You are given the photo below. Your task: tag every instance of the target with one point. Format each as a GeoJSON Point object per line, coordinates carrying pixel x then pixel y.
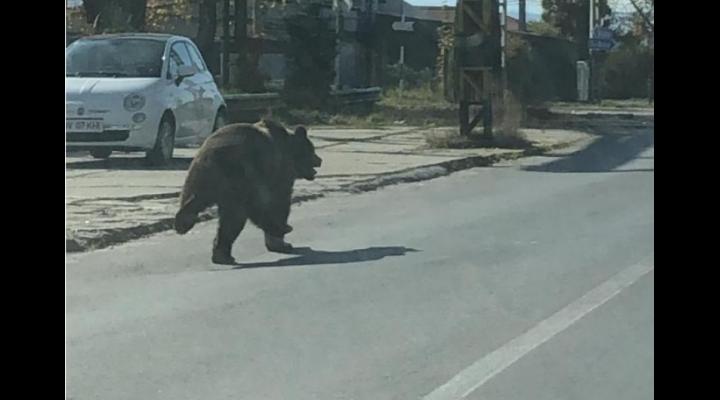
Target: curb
{"type": "Point", "coordinates": [555, 113]}
{"type": "Point", "coordinates": [432, 171]}
{"type": "Point", "coordinates": [111, 237]}
{"type": "Point", "coordinates": [117, 236]}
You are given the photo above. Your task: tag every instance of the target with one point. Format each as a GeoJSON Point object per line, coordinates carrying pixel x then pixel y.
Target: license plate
{"type": "Point", "coordinates": [84, 125]}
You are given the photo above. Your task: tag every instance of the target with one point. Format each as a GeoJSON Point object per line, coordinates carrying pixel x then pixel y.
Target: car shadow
{"type": "Point", "coordinates": [308, 256]}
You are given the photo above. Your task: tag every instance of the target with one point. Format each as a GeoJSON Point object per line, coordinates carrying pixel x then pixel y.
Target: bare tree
{"type": "Point", "coordinates": [646, 10]}
{"type": "Point", "coordinates": [115, 14]}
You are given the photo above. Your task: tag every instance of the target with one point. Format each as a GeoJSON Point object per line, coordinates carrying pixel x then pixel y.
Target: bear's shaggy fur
{"type": "Point", "coordinates": [248, 170]}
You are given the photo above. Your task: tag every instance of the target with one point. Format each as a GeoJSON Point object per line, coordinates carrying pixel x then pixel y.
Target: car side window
{"type": "Point", "coordinates": [197, 60]}
{"type": "Point", "coordinates": [178, 56]}
{"type": "Point", "coordinates": [172, 67]}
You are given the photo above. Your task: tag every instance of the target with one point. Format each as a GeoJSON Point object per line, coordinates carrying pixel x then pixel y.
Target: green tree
{"type": "Point", "coordinates": [629, 69]}
{"type": "Point", "coordinates": [311, 54]}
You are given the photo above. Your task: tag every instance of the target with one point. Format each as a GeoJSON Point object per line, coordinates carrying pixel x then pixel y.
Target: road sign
{"type": "Point", "coordinates": [403, 26]}
{"type": "Point", "coordinates": [601, 44]}
{"type": "Point", "coordinates": [603, 33]}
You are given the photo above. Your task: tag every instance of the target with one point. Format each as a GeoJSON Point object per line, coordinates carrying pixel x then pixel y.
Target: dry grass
{"type": "Point", "coordinates": [450, 138]}
{"type": "Point", "coordinates": [506, 132]}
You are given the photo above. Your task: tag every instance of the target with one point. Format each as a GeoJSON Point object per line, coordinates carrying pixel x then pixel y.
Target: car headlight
{"type": "Point", "coordinates": [134, 102]}
{"type": "Point", "coordinates": [139, 118]}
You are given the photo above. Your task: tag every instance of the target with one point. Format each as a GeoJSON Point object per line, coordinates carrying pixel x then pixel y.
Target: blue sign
{"type": "Point", "coordinates": [603, 33]}
{"type": "Point", "coordinates": [601, 44]}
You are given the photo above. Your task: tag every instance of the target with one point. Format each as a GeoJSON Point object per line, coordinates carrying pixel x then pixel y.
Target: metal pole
{"type": "Point", "coordinates": [464, 116]}
{"type": "Point", "coordinates": [402, 50]}
{"type": "Point", "coordinates": [488, 119]}
{"type": "Point", "coordinates": [592, 19]}
{"type": "Point", "coordinates": [503, 73]}
{"type": "Point", "coordinates": [523, 16]}
{"type": "Point", "coordinates": [597, 96]}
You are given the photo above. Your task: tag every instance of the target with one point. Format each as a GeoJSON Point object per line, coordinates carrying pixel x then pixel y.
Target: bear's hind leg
{"type": "Point", "coordinates": [232, 219]}
{"type": "Point", "coordinates": [187, 216]}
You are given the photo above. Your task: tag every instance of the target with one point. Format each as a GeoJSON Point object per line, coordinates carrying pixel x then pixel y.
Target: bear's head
{"type": "Point", "coordinates": [304, 156]}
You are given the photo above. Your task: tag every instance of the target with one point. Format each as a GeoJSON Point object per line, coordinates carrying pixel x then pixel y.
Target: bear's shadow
{"type": "Point", "coordinates": [308, 256]}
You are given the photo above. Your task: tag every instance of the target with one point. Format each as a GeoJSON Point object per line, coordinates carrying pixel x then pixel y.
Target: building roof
{"type": "Point", "coordinates": [444, 14]}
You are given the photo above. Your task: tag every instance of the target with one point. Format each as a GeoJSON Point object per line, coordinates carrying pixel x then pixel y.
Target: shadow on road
{"type": "Point", "coordinates": [308, 256]}
{"type": "Point", "coordinates": [131, 164]}
{"type": "Point", "coordinates": [607, 153]}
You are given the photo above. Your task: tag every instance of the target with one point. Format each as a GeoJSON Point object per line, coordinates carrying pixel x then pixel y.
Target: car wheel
{"type": "Point", "coordinates": [100, 153]}
{"type": "Point", "coordinates": [162, 153]}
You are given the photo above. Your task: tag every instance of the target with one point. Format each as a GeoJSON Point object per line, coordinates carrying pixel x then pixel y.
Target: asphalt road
{"type": "Point", "coordinates": [531, 279]}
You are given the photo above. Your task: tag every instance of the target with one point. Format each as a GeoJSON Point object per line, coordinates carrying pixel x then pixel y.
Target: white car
{"type": "Point", "coordinates": [139, 92]}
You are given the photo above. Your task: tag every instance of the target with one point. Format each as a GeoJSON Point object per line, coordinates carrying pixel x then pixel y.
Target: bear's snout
{"type": "Point", "coordinates": [317, 162]}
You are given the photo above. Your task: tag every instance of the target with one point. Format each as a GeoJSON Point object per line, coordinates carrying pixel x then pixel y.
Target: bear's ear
{"type": "Point", "coordinates": [300, 131]}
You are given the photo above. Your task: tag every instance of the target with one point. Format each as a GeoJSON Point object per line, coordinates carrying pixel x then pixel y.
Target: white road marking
{"type": "Point", "coordinates": [484, 369]}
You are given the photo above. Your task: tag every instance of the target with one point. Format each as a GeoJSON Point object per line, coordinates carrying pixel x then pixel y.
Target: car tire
{"type": "Point", "coordinates": [162, 152]}
{"type": "Point", "coordinates": [101, 153]}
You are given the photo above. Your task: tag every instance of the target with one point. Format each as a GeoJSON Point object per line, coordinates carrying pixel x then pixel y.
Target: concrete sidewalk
{"type": "Point", "coordinates": [120, 199]}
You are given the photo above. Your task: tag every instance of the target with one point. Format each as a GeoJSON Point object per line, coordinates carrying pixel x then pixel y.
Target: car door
{"type": "Point", "coordinates": [209, 96]}
{"type": "Point", "coordinates": [185, 93]}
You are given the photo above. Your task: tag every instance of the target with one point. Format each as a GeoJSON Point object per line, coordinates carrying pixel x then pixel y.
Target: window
{"type": "Point", "coordinates": [178, 56]}
{"type": "Point", "coordinates": [115, 57]}
{"type": "Point", "coordinates": [197, 60]}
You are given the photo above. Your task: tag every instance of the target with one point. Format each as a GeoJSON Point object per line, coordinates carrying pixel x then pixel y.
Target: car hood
{"type": "Point", "coordinates": [107, 86]}
{"type": "Point", "coordinates": [103, 94]}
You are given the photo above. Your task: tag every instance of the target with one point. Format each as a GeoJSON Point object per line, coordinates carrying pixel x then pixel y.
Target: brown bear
{"type": "Point", "coordinates": [248, 171]}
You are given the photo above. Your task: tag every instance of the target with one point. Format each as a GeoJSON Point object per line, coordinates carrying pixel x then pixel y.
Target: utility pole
{"type": "Point", "coordinates": [336, 5]}
{"type": "Point", "coordinates": [240, 28]}
{"type": "Point", "coordinates": [225, 56]}
{"type": "Point", "coordinates": [523, 16]}
{"type": "Point", "coordinates": [251, 17]}
{"type": "Point", "coordinates": [243, 59]}
{"type": "Point", "coordinates": [594, 19]}
{"type": "Point", "coordinates": [503, 44]}
{"type": "Point", "coordinates": [591, 55]}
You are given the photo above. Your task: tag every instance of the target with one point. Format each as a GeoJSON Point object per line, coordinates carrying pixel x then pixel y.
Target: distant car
{"type": "Point", "coordinates": [139, 92]}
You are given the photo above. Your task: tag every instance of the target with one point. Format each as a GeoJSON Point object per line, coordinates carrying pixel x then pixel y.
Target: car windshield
{"type": "Point", "coordinates": [115, 57]}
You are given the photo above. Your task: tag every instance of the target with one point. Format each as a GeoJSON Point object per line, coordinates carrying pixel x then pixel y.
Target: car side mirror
{"type": "Point", "coordinates": [185, 71]}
